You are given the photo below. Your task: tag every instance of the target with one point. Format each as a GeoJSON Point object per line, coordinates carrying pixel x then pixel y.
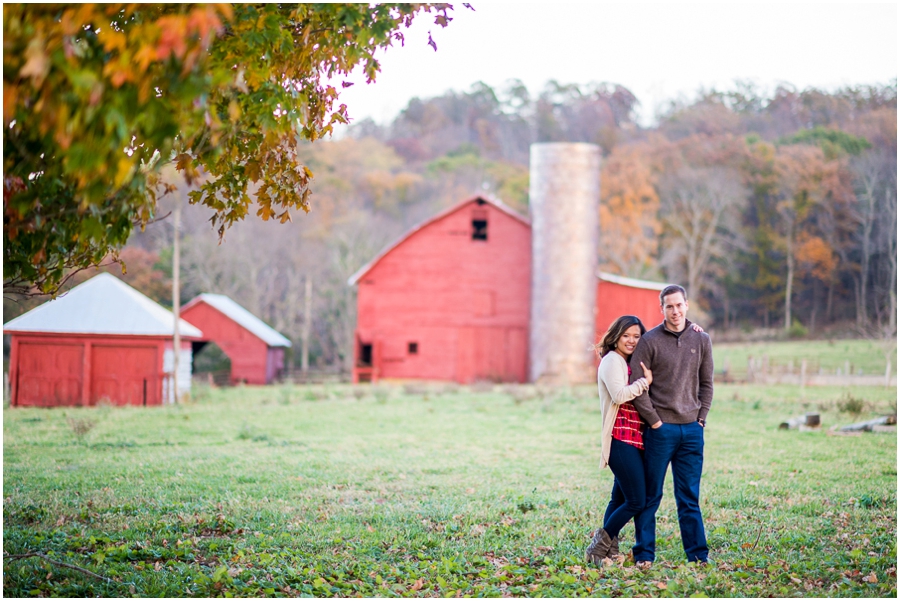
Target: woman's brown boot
{"type": "Point", "coordinates": [599, 547]}
{"type": "Point", "coordinates": [613, 548]}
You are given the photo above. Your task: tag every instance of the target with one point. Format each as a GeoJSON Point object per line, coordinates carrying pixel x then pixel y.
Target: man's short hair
{"type": "Point", "coordinates": [671, 289]}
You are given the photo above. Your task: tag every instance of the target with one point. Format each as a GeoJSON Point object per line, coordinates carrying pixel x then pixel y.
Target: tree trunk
{"type": "Point", "coordinates": [727, 309]}
{"type": "Point", "coordinates": [812, 315]}
{"type": "Point", "coordinates": [790, 281]}
{"type": "Point", "coordinates": [176, 299]}
{"type": "Point", "coordinates": [829, 305]}
{"type": "Point", "coordinates": [307, 320]}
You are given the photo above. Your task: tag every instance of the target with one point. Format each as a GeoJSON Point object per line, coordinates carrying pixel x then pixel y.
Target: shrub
{"type": "Point", "coordinates": [851, 404]}
{"type": "Point", "coordinates": [81, 426]}
{"type": "Point", "coordinates": [797, 330]}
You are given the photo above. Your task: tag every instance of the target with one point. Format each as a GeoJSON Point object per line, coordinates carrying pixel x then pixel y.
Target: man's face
{"type": "Point", "coordinates": [674, 310]}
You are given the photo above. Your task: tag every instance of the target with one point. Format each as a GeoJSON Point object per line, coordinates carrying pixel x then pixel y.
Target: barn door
{"type": "Point", "coordinates": [465, 356]}
{"type": "Point", "coordinates": [492, 354]}
{"type": "Point", "coordinates": [516, 355]}
{"type": "Point", "coordinates": [49, 375]}
{"type": "Point", "coordinates": [125, 375]}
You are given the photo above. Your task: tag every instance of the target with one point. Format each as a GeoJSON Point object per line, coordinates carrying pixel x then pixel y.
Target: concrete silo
{"type": "Point", "coordinates": [564, 196]}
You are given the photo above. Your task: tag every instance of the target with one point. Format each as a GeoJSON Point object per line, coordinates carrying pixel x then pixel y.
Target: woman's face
{"type": "Point", "coordinates": [628, 340]}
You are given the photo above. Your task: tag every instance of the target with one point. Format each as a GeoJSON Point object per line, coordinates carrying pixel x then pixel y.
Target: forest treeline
{"type": "Point", "coordinates": [774, 210]}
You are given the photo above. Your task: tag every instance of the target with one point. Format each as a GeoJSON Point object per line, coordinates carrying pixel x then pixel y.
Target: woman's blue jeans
{"type": "Point", "coordinates": [629, 494]}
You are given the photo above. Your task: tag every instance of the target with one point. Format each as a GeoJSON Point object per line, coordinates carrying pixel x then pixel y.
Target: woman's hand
{"type": "Point", "coordinates": [696, 327]}
{"type": "Point", "coordinates": [656, 425]}
{"type": "Point", "coordinates": [647, 374]}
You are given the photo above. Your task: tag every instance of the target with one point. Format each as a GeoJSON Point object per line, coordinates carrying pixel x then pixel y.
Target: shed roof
{"type": "Point", "coordinates": [242, 317]}
{"type": "Point", "coordinates": [102, 305]}
{"type": "Point", "coordinates": [630, 282]}
{"type": "Point", "coordinates": [496, 203]}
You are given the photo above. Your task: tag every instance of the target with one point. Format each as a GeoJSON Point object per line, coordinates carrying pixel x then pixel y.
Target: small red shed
{"type": "Point", "coordinates": [255, 349]}
{"type": "Point", "coordinates": [101, 340]}
{"type": "Point", "coordinates": [618, 295]}
{"type": "Point", "coordinates": [449, 300]}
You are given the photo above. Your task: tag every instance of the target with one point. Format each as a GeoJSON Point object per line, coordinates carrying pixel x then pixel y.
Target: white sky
{"type": "Point", "coordinates": [658, 51]}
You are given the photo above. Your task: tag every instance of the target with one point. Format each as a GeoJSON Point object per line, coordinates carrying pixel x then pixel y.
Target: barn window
{"type": "Point", "coordinates": [479, 229]}
{"type": "Point", "coordinates": [413, 348]}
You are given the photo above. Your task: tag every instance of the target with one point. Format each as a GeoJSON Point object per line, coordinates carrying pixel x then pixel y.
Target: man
{"type": "Point", "coordinates": [675, 407]}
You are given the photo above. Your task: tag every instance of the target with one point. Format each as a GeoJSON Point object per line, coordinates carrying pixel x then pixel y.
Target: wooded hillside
{"type": "Point", "coordinates": [774, 210]}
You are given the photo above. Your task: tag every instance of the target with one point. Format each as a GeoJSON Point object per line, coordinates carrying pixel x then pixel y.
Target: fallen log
{"type": "Point", "coordinates": [867, 426]}
{"type": "Point", "coordinates": [805, 421]}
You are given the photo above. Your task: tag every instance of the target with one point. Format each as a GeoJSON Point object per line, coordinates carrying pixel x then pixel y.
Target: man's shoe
{"type": "Point", "coordinates": [643, 565]}
{"type": "Point", "coordinates": [599, 547]}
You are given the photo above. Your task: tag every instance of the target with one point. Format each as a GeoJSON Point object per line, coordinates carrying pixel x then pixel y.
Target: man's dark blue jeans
{"type": "Point", "coordinates": [682, 446]}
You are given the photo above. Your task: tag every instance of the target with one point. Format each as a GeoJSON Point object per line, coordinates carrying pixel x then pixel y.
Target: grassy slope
{"type": "Point", "coordinates": [260, 491]}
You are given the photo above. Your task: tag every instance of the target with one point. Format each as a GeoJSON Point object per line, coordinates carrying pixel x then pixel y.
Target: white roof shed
{"type": "Point", "coordinates": [102, 305]}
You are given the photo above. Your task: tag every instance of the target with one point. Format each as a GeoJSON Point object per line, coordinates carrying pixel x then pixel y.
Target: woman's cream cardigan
{"type": "Point", "coordinates": [612, 382]}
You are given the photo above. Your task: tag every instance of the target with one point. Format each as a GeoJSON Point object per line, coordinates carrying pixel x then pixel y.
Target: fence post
{"type": "Point", "coordinates": [803, 375]}
{"type": "Point", "coordinates": [887, 374]}
{"type": "Point", "coordinates": [750, 369]}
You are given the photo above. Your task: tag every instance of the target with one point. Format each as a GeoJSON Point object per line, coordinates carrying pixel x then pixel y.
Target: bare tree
{"type": "Point", "coordinates": [876, 217]}
{"type": "Point", "coordinates": [700, 208]}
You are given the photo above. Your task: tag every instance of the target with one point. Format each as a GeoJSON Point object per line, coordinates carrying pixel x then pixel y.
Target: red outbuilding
{"type": "Point", "coordinates": [102, 340]}
{"type": "Point", "coordinates": [618, 295]}
{"type": "Point", "coordinates": [256, 350]}
{"type": "Point", "coordinates": [449, 300]}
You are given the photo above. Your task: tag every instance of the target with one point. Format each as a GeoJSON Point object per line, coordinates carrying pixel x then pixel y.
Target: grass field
{"type": "Point", "coordinates": [286, 491]}
{"type": "Point", "coordinates": [865, 355]}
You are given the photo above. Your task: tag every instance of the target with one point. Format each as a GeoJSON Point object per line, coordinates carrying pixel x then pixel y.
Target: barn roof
{"type": "Point", "coordinates": [242, 317]}
{"type": "Point", "coordinates": [102, 305]}
{"type": "Point", "coordinates": [496, 203]}
{"type": "Point", "coordinates": [630, 282]}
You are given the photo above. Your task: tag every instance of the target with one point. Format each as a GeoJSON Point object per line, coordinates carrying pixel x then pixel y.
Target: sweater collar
{"type": "Point", "coordinates": [687, 326]}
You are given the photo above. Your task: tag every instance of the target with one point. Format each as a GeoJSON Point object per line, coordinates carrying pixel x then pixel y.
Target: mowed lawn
{"type": "Point", "coordinates": [431, 491]}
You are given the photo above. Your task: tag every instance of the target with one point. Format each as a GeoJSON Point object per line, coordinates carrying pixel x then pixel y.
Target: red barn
{"type": "Point", "coordinates": [256, 350]}
{"type": "Point", "coordinates": [449, 300]}
{"type": "Point", "coordinates": [101, 340]}
{"type": "Point", "coordinates": [618, 295]}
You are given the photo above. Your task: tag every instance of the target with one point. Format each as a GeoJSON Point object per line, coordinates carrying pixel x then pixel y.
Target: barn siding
{"type": "Point", "coordinates": [460, 300]}
{"type": "Point", "coordinates": [248, 354]}
{"type": "Point", "coordinates": [615, 300]}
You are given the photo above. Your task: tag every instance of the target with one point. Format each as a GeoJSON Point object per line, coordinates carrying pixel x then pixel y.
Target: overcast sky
{"type": "Point", "coordinates": [658, 51]}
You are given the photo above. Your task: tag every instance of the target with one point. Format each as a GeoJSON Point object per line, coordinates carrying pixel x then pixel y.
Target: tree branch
{"type": "Point", "coordinates": [58, 563]}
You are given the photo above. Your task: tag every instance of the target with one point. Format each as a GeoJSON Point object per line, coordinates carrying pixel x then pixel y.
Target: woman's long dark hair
{"type": "Point", "coordinates": [615, 331]}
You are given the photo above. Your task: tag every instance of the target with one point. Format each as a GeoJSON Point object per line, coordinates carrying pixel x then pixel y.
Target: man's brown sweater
{"type": "Point", "coordinates": [682, 367]}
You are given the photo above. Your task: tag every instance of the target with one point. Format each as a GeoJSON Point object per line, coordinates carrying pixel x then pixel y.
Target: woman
{"type": "Point", "coordinates": [622, 435]}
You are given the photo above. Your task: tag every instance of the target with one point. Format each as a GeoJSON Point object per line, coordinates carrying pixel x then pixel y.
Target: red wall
{"type": "Point", "coordinates": [464, 302]}
{"type": "Point", "coordinates": [48, 370]}
{"type": "Point", "coordinates": [615, 300]}
{"type": "Point", "coordinates": [248, 353]}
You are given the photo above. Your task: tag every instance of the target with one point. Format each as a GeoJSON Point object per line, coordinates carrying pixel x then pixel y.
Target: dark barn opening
{"type": "Point", "coordinates": [365, 355]}
{"type": "Point", "coordinates": [479, 229]}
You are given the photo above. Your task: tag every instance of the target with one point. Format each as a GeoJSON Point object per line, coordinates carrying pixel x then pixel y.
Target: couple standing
{"type": "Point", "coordinates": [672, 395]}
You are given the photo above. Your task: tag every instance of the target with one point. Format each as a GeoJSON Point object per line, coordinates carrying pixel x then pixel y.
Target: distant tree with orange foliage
{"type": "Point", "coordinates": [629, 212]}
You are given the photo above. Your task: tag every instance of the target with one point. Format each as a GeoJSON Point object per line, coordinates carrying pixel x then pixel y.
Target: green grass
{"type": "Point", "coordinates": [867, 355]}
{"type": "Point", "coordinates": [312, 491]}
